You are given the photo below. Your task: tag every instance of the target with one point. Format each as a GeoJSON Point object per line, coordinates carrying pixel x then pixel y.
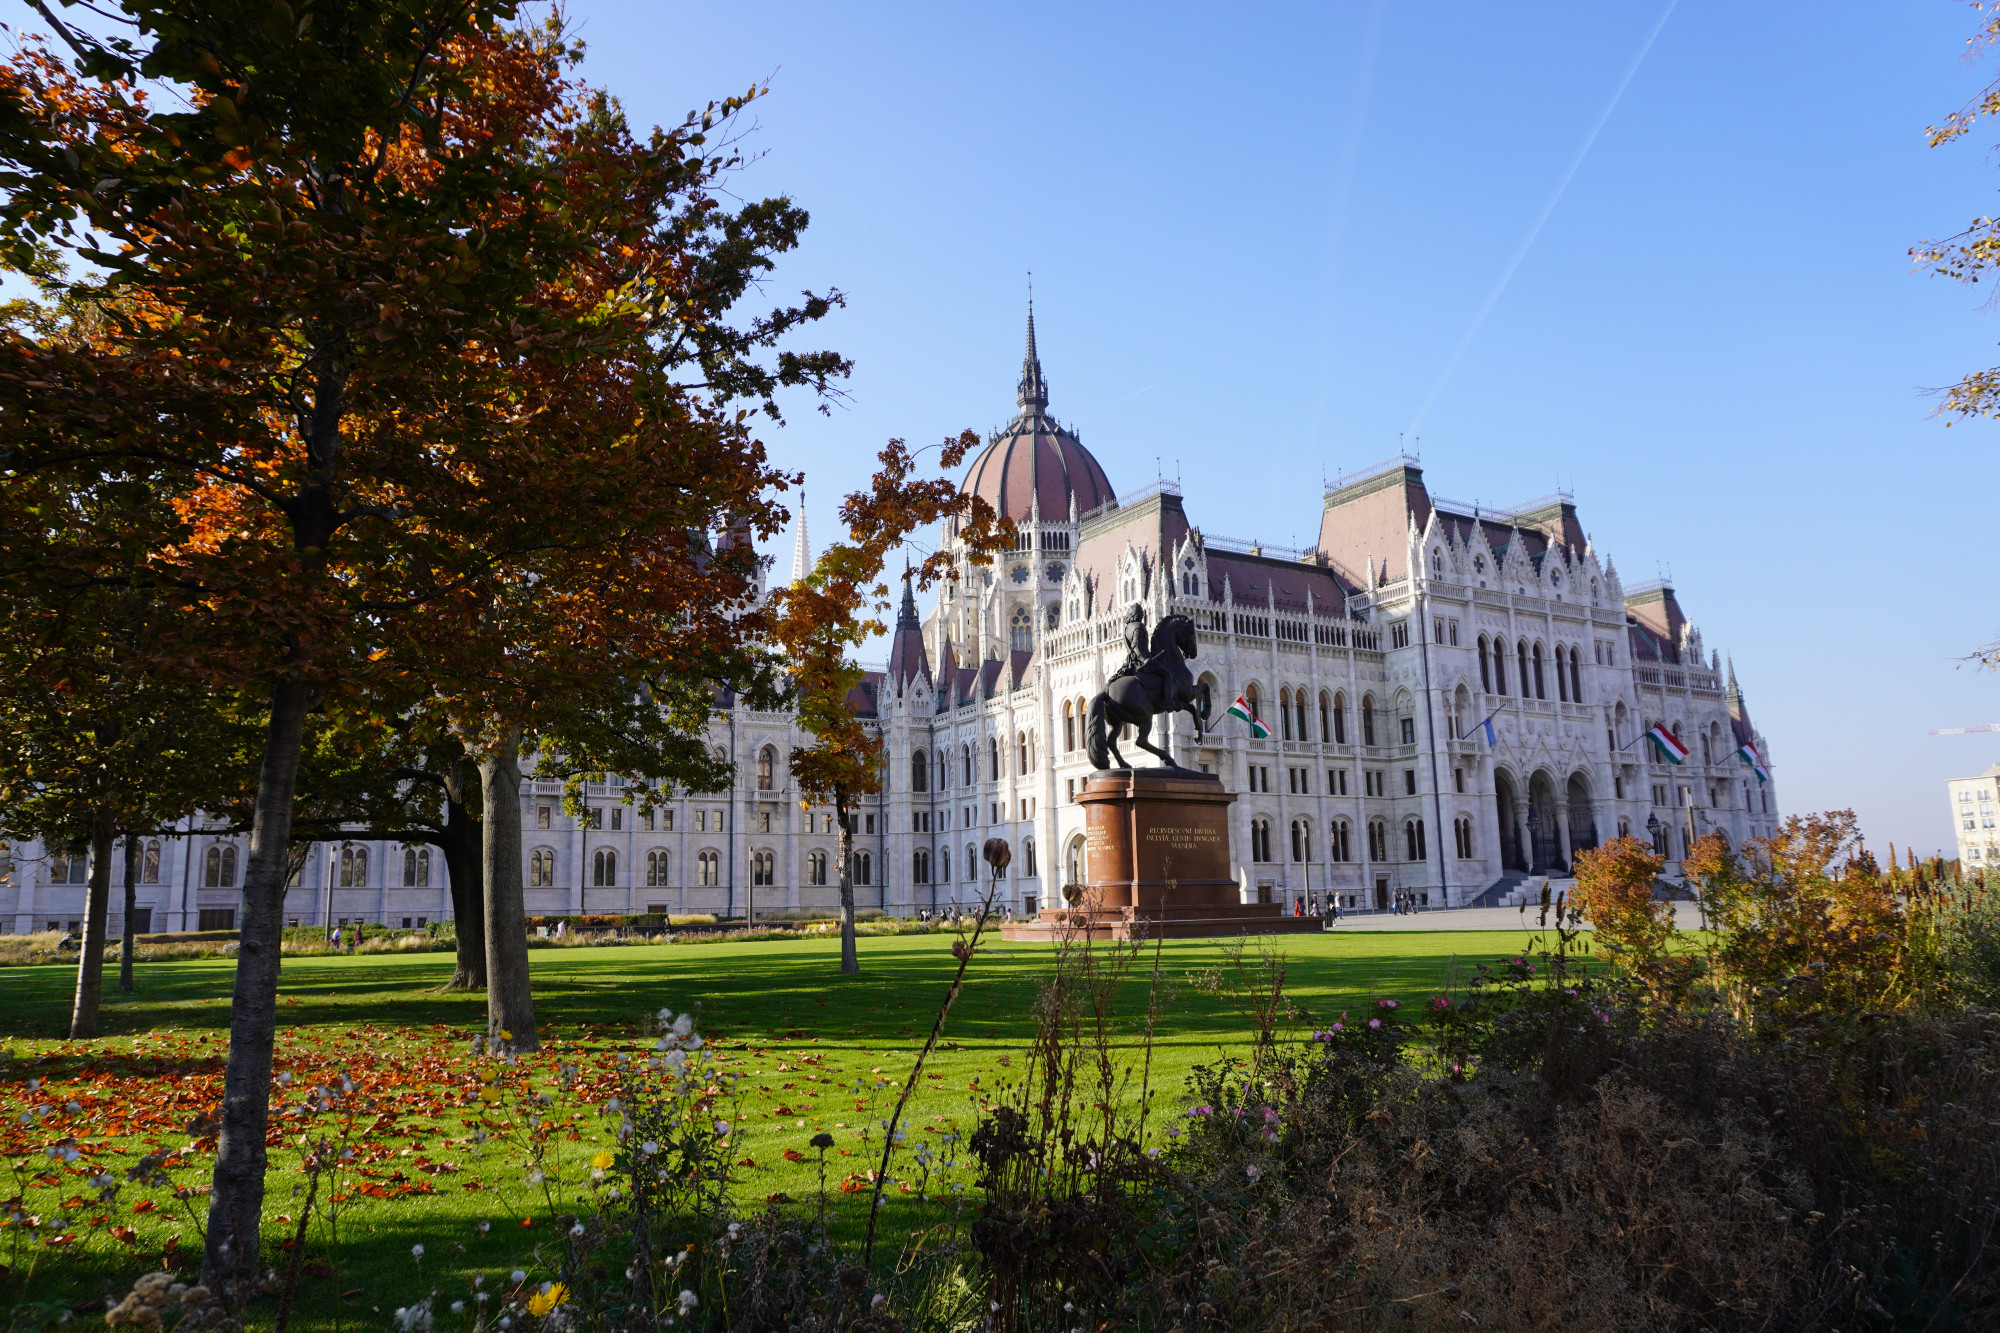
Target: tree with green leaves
{"type": "Point", "coordinates": [96, 740]}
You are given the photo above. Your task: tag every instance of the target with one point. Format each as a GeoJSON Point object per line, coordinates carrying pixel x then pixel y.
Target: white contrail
{"type": "Point", "coordinates": [1555, 196]}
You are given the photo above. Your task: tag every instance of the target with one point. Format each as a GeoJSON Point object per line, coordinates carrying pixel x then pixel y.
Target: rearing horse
{"type": "Point", "coordinates": [1161, 683]}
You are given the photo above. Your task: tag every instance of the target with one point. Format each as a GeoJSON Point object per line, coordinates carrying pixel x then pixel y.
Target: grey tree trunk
{"type": "Point", "coordinates": [510, 1003]}
{"type": "Point", "coordinates": [850, 961]}
{"type": "Point", "coordinates": [236, 1196]}
{"type": "Point", "coordinates": [130, 941]}
{"type": "Point", "coordinates": [90, 963]}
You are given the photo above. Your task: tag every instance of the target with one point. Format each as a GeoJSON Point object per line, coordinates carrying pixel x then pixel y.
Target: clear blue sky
{"type": "Point", "coordinates": [1260, 235]}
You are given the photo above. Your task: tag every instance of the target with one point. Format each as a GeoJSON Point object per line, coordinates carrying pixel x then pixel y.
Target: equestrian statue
{"type": "Point", "coordinates": [1154, 679]}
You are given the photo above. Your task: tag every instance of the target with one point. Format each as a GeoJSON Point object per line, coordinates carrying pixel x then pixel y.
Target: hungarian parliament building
{"type": "Point", "coordinates": [1457, 698]}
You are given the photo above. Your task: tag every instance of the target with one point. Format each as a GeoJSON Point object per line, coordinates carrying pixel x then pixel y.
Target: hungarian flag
{"type": "Point", "coordinates": [1241, 709]}
{"type": "Point", "coordinates": [1663, 740]}
{"type": "Point", "coordinates": [1748, 754]}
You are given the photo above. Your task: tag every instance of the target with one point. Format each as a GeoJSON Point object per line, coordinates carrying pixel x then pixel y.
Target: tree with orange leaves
{"type": "Point", "coordinates": [1615, 892]}
{"type": "Point", "coordinates": [819, 621]}
{"type": "Point", "coordinates": [1806, 924]}
{"type": "Point", "coordinates": [345, 265]}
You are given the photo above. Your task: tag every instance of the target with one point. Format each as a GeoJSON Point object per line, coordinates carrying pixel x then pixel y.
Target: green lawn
{"type": "Point", "coordinates": [804, 1037]}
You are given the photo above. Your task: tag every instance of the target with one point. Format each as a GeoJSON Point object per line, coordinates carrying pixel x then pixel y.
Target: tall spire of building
{"type": "Point", "coordinates": [907, 617]}
{"type": "Point", "coordinates": [1033, 393]}
{"type": "Point", "coordinates": [801, 547]}
{"type": "Point", "coordinates": [908, 655]}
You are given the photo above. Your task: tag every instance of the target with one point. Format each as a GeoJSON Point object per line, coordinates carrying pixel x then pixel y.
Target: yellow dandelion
{"type": "Point", "coordinates": [603, 1161]}
{"type": "Point", "coordinates": [547, 1299]}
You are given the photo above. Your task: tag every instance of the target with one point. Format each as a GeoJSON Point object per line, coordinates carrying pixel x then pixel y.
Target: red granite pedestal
{"type": "Point", "coordinates": [1157, 863]}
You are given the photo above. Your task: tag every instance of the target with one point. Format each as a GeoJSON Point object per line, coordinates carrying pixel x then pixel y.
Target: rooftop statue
{"type": "Point", "coordinates": [1153, 679]}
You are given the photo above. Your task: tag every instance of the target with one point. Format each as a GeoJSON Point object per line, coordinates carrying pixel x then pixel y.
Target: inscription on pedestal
{"type": "Point", "coordinates": [1146, 828]}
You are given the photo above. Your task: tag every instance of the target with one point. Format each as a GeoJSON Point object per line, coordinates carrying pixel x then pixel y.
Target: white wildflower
{"type": "Point", "coordinates": [683, 1025]}
{"type": "Point", "coordinates": [688, 1301]}
{"type": "Point", "coordinates": [416, 1251]}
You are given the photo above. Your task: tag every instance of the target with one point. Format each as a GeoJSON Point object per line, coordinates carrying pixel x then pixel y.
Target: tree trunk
{"type": "Point", "coordinates": [510, 1004]}
{"type": "Point", "coordinates": [131, 940]}
{"type": "Point", "coordinates": [850, 961]}
{"type": "Point", "coordinates": [236, 1197]}
{"type": "Point", "coordinates": [90, 963]}
{"type": "Point", "coordinates": [465, 866]}
{"type": "Point", "coordinates": [463, 862]}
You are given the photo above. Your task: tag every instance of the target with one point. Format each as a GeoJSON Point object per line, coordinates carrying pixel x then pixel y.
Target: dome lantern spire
{"type": "Point", "coordinates": [1033, 393]}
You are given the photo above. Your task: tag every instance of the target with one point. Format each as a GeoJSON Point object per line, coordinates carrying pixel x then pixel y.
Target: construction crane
{"type": "Point", "coordinates": [1965, 731]}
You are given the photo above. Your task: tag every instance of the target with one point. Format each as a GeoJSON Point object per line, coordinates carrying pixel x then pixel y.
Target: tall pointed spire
{"type": "Point", "coordinates": [1033, 393]}
{"type": "Point", "coordinates": [801, 547]}
{"type": "Point", "coordinates": [1734, 698]}
{"type": "Point", "coordinates": [907, 617]}
{"type": "Point", "coordinates": [908, 655]}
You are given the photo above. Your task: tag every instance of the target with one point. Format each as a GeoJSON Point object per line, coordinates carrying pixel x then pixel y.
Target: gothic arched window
{"type": "Point", "coordinates": [541, 868]}
{"type": "Point", "coordinates": [767, 768]}
{"type": "Point", "coordinates": [604, 869]}
{"type": "Point", "coordinates": [1020, 631]}
{"type": "Point", "coordinates": [1367, 719]}
{"type": "Point", "coordinates": [920, 771]}
{"type": "Point", "coordinates": [816, 867]}
{"type": "Point", "coordinates": [1284, 713]}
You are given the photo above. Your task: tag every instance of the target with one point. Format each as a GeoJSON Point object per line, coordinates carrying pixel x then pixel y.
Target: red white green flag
{"type": "Point", "coordinates": [1241, 709]}
{"type": "Point", "coordinates": [1748, 754]}
{"type": "Point", "coordinates": [1666, 743]}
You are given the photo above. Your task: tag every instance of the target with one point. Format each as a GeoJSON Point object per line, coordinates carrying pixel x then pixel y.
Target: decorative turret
{"type": "Point", "coordinates": [908, 658]}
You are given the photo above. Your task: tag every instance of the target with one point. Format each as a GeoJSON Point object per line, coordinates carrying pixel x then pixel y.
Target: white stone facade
{"type": "Point", "coordinates": [1375, 658]}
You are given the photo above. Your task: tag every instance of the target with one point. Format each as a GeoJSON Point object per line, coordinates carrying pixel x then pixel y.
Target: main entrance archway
{"type": "Point", "coordinates": [1505, 799]}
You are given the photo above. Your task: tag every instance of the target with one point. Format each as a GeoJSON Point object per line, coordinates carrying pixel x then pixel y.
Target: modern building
{"type": "Point", "coordinates": [1972, 815]}
{"type": "Point", "coordinates": [1457, 697]}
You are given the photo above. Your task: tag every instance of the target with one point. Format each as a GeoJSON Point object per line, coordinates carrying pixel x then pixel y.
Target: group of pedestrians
{"type": "Point", "coordinates": [956, 915]}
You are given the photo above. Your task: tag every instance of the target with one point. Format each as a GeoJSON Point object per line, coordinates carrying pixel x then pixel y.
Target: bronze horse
{"type": "Point", "coordinates": [1154, 680]}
